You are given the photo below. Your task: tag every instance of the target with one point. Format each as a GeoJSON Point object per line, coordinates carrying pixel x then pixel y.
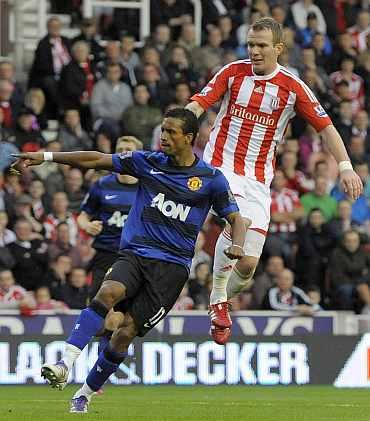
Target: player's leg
{"type": "Point", "coordinates": [107, 363]}
{"type": "Point", "coordinates": [163, 283]}
{"type": "Point", "coordinates": [91, 319]}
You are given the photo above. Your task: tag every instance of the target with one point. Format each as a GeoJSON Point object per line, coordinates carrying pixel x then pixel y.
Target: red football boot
{"type": "Point", "coordinates": [219, 314]}
{"type": "Point", "coordinates": [220, 335]}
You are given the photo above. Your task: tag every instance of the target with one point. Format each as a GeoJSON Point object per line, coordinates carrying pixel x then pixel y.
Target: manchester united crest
{"type": "Point", "coordinates": [194, 183]}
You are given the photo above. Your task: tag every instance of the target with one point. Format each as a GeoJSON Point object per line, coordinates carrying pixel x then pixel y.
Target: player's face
{"type": "Point", "coordinates": [173, 139]}
{"type": "Point", "coordinates": [263, 52]}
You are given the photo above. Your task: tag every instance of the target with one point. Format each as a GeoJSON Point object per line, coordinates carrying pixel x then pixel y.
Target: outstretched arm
{"type": "Point", "coordinates": [349, 180]}
{"type": "Point", "coordinates": [88, 159]}
{"type": "Point", "coordinates": [236, 250]}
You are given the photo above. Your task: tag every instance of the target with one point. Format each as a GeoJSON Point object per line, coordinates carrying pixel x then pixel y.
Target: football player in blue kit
{"type": "Point", "coordinates": [176, 190]}
{"type": "Point", "coordinates": [103, 214]}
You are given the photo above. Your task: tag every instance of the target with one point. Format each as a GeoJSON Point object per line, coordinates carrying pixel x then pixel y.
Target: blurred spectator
{"type": "Point", "coordinates": [315, 243]}
{"type": "Point", "coordinates": [112, 55]}
{"type": "Point", "coordinates": [160, 39]}
{"type": "Point", "coordinates": [349, 273]}
{"type": "Point", "coordinates": [150, 55]}
{"type": "Point", "coordinates": [7, 148]}
{"type": "Point", "coordinates": [357, 151]}
{"type": "Point", "coordinates": [77, 82]}
{"type": "Point", "coordinates": [295, 179]}
{"type": "Point", "coordinates": [229, 40]}
{"type": "Point", "coordinates": [140, 119]}
{"type": "Point", "coordinates": [294, 52]}
{"type": "Point", "coordinates": [265, 280]}
{"type": "Point", "coordinates": [158, 90]}
{"type": "Point", "coordinates": [187, 38]}
{"type": "Point", "coordinates": [35, 101]}
{"type": "Point", "coordinates": [284, 61]}
{"type": "Point", "coordinates": [309, 144]}
{"type": "Point", "coordinates": [51, 55]}
{"type": "Point", "coordinates": [356, 83]}
{"type": "Point", "coordinates": [362, 169]}
{"type": "Point", "coordinates": [300, 10]}
{"type": "Point", "coordinates": [360, 31]}
{"type": "Point", "coordinates": [23, 209]}
{"type": "Point", "coordinates": [343, 49]}
{"type": "Point", "coordinates": [286, 210]}
{"type": "Point", "coordinates": [75, 291]}
{"type": "Point", "coordinates": [30, 256]}
{"type": "Point", "coordinates": [363, 70]}
{"type": "Point", "coordinates": [74, 188]}
{"type": "Point", "coordinates": [184, 302]}
{"type": "Point", "coordinates": [71, 134]}
{"type": "Point", "coordinates": [199, 286]}
{"type": "Point", "coordinates": [59, 213]}
{"type": "Point", "coordinates": [28, 138]}
{"type": "Point", "coordinates": [12, 296]}
{"type": "Point", "coordinates": [200, 256]}
{"type": "Point", "coordinates": [343, 122]}
{"type": "Point", "coordinates": [38, 205]}
{"type": "Point", "coordinates": [208, 57]}
{"type": "Point", "coordinates": [9, 109]}
{"type": "Point", "coordinates": [182, 94]}
{"type": "Point", "coordinates": [361, 127]}
{"type": "Point", "coordinates": [6, 235]}
{"type": "Point", "coordinates": [343, 222]}
{"type": "Point", "coordinates": [43, 301]}
{"type": "Point", "coordinates": [7, 72]}
{"type": "Point", "coordinates": [104, 142]}
{"type": "Point", "coordinates": [307, 34]}
{"type": "Point", "coordinates": [287, 297]}
{"type": "Point", "coordinates": [179, 69]}
{"type": "Point", "coordinates": [62, 246]}
{"type": "Point", "coordinates": [360, 207]}
{"type": "Point", "coordinates": [128, 58]}
{"type": "Point", "coordinates": [88, 35]}
{"type": "Point", "coordinates": [242, 31]}
{"type": "Point", "coordinates": [314, 294]}
{"type": "Point", "coordinates": [56, 276]}
{"type": "Point", "coordinates": [279, 14]}
{"type": "Point", "coordinates": [319, 198]}
{"type": "Point", "coordinates": [173, 13]}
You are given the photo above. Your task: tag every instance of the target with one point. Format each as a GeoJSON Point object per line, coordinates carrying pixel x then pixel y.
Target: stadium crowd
{"type": "Point", "coordinates": [100, 85]}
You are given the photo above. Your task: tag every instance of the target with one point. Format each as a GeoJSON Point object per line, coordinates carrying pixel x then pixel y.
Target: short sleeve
{"type": "Point", "coordinates": [126, 163]}
{"type": "Point", "coordinates": [309, 108]}
{"type": "Point", "coordinates": [223, 200]}
{"type": "Point", "coordinates": [91, 202]}
{"type": "Point", "coordinates": [215, 88]}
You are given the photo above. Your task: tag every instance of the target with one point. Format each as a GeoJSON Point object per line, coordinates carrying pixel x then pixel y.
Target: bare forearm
{"type": "Point", "coordinates": [195, 108]}
{"type": "Point", "coordinates": [334, 143]}
{"type": "Point", "coordinates": [83, 220]}
{"type": "Point", "coordinates": [88, 159]}
{"type": "Point", "coordinates": [237, 229]}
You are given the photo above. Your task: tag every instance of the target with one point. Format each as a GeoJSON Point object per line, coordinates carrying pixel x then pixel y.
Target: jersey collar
{"type": "Point", "coordinates": [269, 76]}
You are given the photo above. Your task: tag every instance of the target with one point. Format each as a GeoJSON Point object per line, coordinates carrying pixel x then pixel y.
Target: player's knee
{"type": "Point", "coordinates": [247, 266]}
{"type": "Point", "coordinates": [110, 293]}
{"type": "Point", "coordinates": [114, 320]}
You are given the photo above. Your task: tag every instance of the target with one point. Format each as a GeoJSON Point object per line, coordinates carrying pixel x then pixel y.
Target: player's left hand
{"type": "Point", "coordinates": [351, 184]}
{"type": "Point", "coordinates": [234, 252]}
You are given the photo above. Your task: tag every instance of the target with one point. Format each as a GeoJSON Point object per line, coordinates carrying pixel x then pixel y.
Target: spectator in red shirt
{"type": "Point", "coordinates": [11, 295]}
{"type": "Point", "coordinates": [296, 180]}
{"type": "Point", "coordinates": [286, 210]}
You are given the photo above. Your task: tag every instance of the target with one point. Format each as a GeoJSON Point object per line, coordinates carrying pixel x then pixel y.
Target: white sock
{"type": "Point", "coordinates": [84, 391]}
{"type": "Point", "coordinates": [71, 353]}
{"type": "Point", "coordinates": [237, 282]}
{"type": "Point", "coordinates": [222, 268]}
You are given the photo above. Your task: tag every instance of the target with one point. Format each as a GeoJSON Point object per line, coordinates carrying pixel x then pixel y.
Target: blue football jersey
{"type": "Point", "coordinates": [110, 202]}
{"type": "Point", "coordinates": [171, 204]}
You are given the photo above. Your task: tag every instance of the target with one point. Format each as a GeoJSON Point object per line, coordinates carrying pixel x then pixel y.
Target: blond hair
{"type": "Point", "coordinates": [270, 24]}
{"type": "Point", "coordinates": [131, 139]}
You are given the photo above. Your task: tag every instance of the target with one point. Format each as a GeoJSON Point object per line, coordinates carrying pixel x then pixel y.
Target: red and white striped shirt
{"type": "Point", "coordinates": [253, 117]}
{"type": "Point", "coordinates": [286, 200]}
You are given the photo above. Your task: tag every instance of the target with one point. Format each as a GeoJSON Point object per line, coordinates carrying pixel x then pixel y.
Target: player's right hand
{"type": "Point", "coordinates": [234, 252]}
{"type": "Point", "coordinates": [26, 160]}
{"type": "Point", "coordinates": [94, 228]}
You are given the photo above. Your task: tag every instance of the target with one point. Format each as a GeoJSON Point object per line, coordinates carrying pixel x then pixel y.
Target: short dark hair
{"type": "Point", "coordinates": [190, 121]}
{"type": "Point", "coordinates": [269, 24]}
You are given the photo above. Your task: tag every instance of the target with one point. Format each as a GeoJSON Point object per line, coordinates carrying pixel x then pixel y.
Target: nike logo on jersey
{"type": "Point", "coordinates": [156, 172]}
{"type": "Point", "coordinates": [110, 196]}
{"type": "Point", "coordinates": [259, 90]}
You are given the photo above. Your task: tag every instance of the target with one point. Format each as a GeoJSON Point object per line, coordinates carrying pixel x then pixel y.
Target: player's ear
{"type": "Point", "coordinates": [189, 138]}
{"type": "Point", "coordinates": [279, 47]}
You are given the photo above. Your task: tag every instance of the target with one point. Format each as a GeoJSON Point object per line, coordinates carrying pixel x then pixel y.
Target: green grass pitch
{"type": "Point", "coordinates": [161, 403]}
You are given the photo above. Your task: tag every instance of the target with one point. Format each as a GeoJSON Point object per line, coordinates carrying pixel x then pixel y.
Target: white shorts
{"type": "Point", "coordinates": [254, 201]}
